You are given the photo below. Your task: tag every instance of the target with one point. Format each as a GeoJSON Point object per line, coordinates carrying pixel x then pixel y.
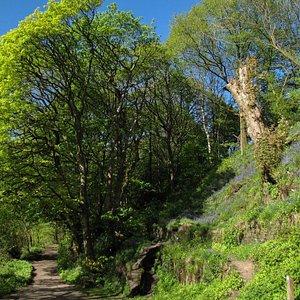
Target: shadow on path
{"type": "Point", "coordinates": [46, 282]}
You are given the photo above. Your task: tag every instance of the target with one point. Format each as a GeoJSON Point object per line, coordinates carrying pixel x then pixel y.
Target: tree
{"type": "Point", "coordinates": [217, 38]}
{"type": "Point", "coordinates": [77, 119]}
{"type": "Point", "coordinates": [277, 22]}
{"type": "Point", "coordinates": [168, 103]}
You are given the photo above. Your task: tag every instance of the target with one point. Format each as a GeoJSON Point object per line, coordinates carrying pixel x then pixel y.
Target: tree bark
{"type": "Point", "coordinates": [83, 190]}
{"type": "Point", "coordinates": [171, 163]}
{"type": "Point", "coordinates": [243, 91]}
{"type": "Point", "coordinates": [243, 133]}
{"type": "Point", "coordinates": [205, 127]}
{"type": "Point", "coordinates": [84, 200]}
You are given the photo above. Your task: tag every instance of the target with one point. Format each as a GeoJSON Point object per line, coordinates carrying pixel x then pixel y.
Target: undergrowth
{"type": "Point", "coordinates": [239, 221]}
{"type": "Point", "coordinates": [13, 274]}
{"type": "Point", "coordinates": [275, 260]}
{"type": "Point", "coordinates": [246, 224]}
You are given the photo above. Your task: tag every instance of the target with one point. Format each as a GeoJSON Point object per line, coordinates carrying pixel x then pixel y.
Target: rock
{"type": "Point", "coordinates": [141, 277]}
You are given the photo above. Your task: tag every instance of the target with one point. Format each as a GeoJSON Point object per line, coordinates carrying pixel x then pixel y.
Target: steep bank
{"type": "Point", "coordinates": [245, 242]}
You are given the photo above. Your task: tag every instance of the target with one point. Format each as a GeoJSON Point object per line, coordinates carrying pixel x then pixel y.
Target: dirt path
{"type": "Point", "coordinates": [47, 283]}
{"type": "Point", "coordinates": [245, 268]}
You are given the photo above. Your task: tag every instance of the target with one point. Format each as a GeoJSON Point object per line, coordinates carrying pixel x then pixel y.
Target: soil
{"type": "Point", "coordinates": [47, 284]}
{"type": "Point", "coordinates": [245, 268]}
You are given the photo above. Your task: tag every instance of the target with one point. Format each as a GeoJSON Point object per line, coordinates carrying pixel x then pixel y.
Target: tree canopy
{"type": "Point", "coordinates": [104, 131]}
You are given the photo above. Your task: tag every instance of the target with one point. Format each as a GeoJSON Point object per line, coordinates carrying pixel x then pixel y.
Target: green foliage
{"type": "Point", "coordinates": [217, 289]}
{"type": "Point", "coordinates": [188, 231]}
{"type": "Point", "coordinates": [276, 103]}
{"type": "Point", "coordinates": [41, 235]}
{"type": "Point", "coordinates": [69, 43]}
{"type": "Point", "coordinates": [182, 260]}
{"type": "Point", "coordinates": [220, 289]}
{"type": "Point", "coordinates": [119, 227]}
{"type": "Point", "coordinates": [13, 231]}
{"type": "Point", "coordinates": [104, 132]}
{"type": "Point", "coordinates": [232, 236]}
{"type": "Point", "coordinates": [108, 290]}
{"type": "Point", "coordinates": [269, 149]}
{"type": "Point", "coordinates": [73, 275]}
{"type": "Point", "coordinates": [87, 272]}
{"type": "Point", "coordinates": [13, 274]}
{"type": "Point", "coordinates": [240, 213]}
{"type": "Point", "coordinates": [66, 258]}
{"type": "Point", "coordinates": [276, 259]}
{"type": "Point", "coordinates": [81, 271]}
{"type": "Point", "coordinates": [241, 252]}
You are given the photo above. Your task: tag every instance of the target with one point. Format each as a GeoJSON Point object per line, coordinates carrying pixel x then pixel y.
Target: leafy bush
{"type": "Point", "coordinates": [182, 264]}
{"type": "Point", "coordinates": [233, 236]}
{"type": "Point", "coordinates": [220, 289]}
{"type": "Point", "coordinates": [66, 258]}
{"type": "Point", "coordinates": [79, 270]}
{"type": "Point", "coordinates": [14, 274]}
{"type": "Point", "coordinates": [72, 275]}
{"type": "Point", "coordinates": [13, 235]}
{"type": "Point", "coordinates": [32, 254]}
{"type": "Point", "coordinates": [187, 230]}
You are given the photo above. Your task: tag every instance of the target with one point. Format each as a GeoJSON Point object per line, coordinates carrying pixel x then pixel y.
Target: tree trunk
{"type": "Point", "coordinates": [85, 207]}
{"type": "Point", "coordinates": [171, 163]}
{"type": "Point", "coordinates": [83, 193]}
{"type": "Point", "coordinates": [205, 127]}
{"type": "Point", "coordinates": [77, 243]}
{"type": "Point", "coordinates": [243, 133]}
{"type": "Point", "coordinates": [243, 91]}
{"type": "Point", "coordinates": [150, 158]}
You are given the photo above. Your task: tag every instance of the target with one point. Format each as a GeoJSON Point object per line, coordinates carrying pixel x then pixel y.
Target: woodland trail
{"type": "Point", "coordinates": [48, 285]}
{"type": "Point", "coordinates": [246, 269]}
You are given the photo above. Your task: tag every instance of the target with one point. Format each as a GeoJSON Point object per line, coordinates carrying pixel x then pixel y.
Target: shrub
{"type": "Point", "coordinates": [72, 275]}
{"type": "Point", "coordinates": [14, 274]}
{"type": "Point", "coordinates": [233, 236]}
{"type": "Point", "coordinates": [66, 258]}
{"type": "Point", "coordinates": [219, 288]}
{"type": "Point", "coordinates": [192, 264]}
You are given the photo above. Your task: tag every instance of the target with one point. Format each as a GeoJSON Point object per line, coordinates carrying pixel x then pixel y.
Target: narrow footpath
{"type": "Point", "coordinates": [47, 284]}
{"type": "Point", "coordinates": [246, 269]}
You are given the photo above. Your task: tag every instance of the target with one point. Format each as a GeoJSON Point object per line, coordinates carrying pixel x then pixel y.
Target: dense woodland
{"type": "Point", "coordinates": [107, 136]}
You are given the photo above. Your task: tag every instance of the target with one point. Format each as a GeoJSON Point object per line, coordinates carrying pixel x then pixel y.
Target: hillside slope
{"type": "Point", "coordinates": [242, 230]}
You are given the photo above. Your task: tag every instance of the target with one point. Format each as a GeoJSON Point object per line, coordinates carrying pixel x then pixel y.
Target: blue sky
{"type": "Point", "coordinates": [162, 11]}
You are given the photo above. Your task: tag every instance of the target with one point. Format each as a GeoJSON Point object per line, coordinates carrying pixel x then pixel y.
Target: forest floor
{"type": "Point", "coordinates": [47, 284]}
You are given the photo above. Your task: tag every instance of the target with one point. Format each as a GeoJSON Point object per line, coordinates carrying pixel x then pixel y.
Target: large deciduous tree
{"type": "Point", "coordinates": [238, 42]}
{"type": "Point", "coordinates": [70, 80]}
